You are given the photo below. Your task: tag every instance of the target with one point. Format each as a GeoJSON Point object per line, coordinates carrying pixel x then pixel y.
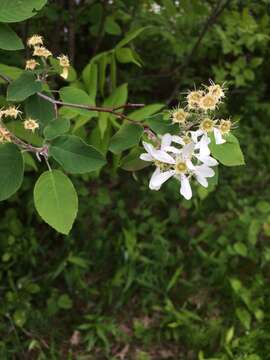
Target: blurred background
{"type": "Point", "coordinates": [147, 275]}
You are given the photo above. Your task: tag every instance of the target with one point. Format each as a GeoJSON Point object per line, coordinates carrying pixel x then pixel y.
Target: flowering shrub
{"type": "Point", "coordinates": [187, 155]}
{"type": "Point", "coordinates": [185, 143]}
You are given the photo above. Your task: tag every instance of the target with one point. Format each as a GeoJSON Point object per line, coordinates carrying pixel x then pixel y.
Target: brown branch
{"type": "Point", "coordinates": [111, 110]}
{"type": "Point", "coordinates": [216, 12]}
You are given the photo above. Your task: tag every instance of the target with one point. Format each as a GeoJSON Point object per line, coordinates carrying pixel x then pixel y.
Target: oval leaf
{"type": "Point", "coordinates": [23, 87]}
{"type": "Point", "coordinates": [11, 170]}
{"type": "Point", "coordinates": [56, 200]}
{"type": "Point", "coordinates": [75, 155]}
{"type": "Point", "coordinates": [229, 153]}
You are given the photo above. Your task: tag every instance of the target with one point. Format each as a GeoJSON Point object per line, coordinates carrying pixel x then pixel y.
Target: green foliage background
{"type": "Point", "coordinates": [146, 275]}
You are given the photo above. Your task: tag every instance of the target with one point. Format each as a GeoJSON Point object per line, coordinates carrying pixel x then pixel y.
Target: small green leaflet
{"type": "Point", "coordinates": [56, 200]}
{"type": "Point", "coordinates": [11, 170]}
{"type": "Point", "coordinates": [23, 87]}
{"type": "Point", "coordinates": [75, 155]}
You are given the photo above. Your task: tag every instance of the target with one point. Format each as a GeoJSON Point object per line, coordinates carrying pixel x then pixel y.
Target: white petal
{"type": "Point", "coordinates": [202, 145]}
{"type": "Point", "coordinates": [158, 179]}
{"type": "Point", "coordinates": [196, 134]}
{"type": "Point", "coordinates": [204, 171]}
{"type": "Point", "coordinates": [166, 141]}
{"type": "Point", "coordinates": [154, 175]}
{"type": "Point", "coordinates": [162, 156]}
{"type": "Point", "coordinates": [172, 149]}
{"type": "Point", "coordinates": [187, 151]}
{"type": "Point", "coordinates": [218, 137]}
{"type": "Point", "coordinates": [178, 140]}
{"type": "Point", "coordinates": [190, 165]}
{"type": "Point", "coordinates": [185, 188]}
{"type": "Point", "coordinates": [208, 160]}
{"type": "Point", "coordinates": [146, 157]}
{"type": "Point", "coordinates": [148, 147]}
{"type": "Point", "coordinates": [202, 180]}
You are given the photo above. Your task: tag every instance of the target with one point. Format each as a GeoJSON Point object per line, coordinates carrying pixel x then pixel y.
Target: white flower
{"type": "Point", "coordinates": [207, 126]}
{"type": "Point", "coordinates": [201, 149]}
{"type": "Point", "coordinates": [153, 154]}
{"type": "Point", "coordinates": [182, 170]}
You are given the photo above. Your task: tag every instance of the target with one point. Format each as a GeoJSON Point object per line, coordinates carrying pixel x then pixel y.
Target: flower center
{"type": "Point", "coordinates": [186, 139]}
{"type": "Point", "coordinates": [208, 102]}
{"type": "Point", "coordinates": [207, 125]}
{"type": "Point", "coordinates": [179, 116]}
{"type": "Point", "coordinates": [225, 126]}
{"type": "Point", "coordinates": [180, 167]}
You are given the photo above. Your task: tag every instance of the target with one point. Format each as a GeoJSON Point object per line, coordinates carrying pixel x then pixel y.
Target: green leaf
{"type": "Point", "coordinates": [19, 10]}
{"type": "Point", "coordinates": [64, 302]}
{"type": "Point", "coordinates": [132, 161]}
{"type": "Point", "coordinates": [125, 55]}
{"type": "Point", "coordinates": [159, 125]}
{"type": "Point", "coordinates": [29, 161]}
{"type": "Point", "coordinates": [145, 112]}
{"type": "Point", "coordinates": [9, 40]}
{"type": "Point", "coordinates": [75, 155]}
{"type": "Point", "coordinates": [19, 318]}
{"type": "Point", "coordinates": [90, 77]}
{"type": "Point", "coordinates": [11, 71]}
{"type": "Point", "coordinates": [229, 153]}
{"type": "Point", "coordinates": [23, 87]}
{"type": "Point", "coordinates": [129, 37]}
{"type": "Point", "coordinates": [17, 128]}
{"type": "Point", "coordinates": [170, 8]}
{"type": "Point", "coordinates": [103, 62]}
{"type": "Point", "coordinates": [126, 137]}
{"type": "Point", "coordinates": [56, 128]}
{"type": "Point", "coordinates": [39, 109]}
{"type": "Point", "coordinates": [111, 26]}
{"type": "Point", "coordinates": [56, 200]}
{"type": "Point", "coordinates": [74, 95]}
{"type": "Point", "coordinates": [11, 170]}
{"type": "Point", "coordinates": [240, 248]}
{"type": "Point", "coordinates": [244, 317]}
{"type": "Point", "coordinates": [117, 98]}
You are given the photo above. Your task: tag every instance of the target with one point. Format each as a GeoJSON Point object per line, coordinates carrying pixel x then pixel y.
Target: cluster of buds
{"type": "Point", "coordinates": [187, 155]}
{"type": "Point", "coordinates": [14, 112]}
{"type": "Point", "coordinates": [39, 50]}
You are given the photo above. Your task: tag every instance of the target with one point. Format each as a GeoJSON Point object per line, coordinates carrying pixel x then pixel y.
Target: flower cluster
{"type": "Point", "coordinates": [187, 156]}
{"type": "Point", "coordinates": [13, 112]}
{"type": "Point", "coordinates": [39, 50]}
